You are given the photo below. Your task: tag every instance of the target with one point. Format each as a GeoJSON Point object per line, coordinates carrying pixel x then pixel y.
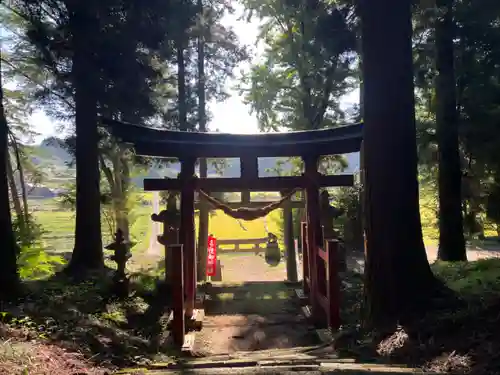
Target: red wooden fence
{"type": "Point", "coordinates": [321, 279]}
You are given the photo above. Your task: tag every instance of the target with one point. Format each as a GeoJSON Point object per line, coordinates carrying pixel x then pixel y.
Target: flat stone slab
{"type": "Point", "coordinates": [280, 366]}
{"type": "Point", "coordinates": [251, 317]}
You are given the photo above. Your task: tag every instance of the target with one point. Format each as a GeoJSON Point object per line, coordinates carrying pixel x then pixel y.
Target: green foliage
{"type": "Point", "coordinates": [476, 41]}
{"type": "Point", "coordinates": [305, 70]}
{"type": "Point", "coordinates": [479, 279]}
{"type": "Point", "coordinates": [493, 205]}
{"type": "Point", "coordinates": [278, 222]}
{"type": "Point", "coordinates": [83, 313]}
{"type": "Point", "coordinates": [347, 199]}
{"type": "Point", "coordinates": [67, 201]}
{"type": "Point", "coordinates": [34, 262]}
{"type": "Point", "coordinates": [33, 231]}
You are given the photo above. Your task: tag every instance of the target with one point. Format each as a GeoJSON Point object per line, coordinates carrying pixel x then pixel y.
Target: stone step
{"type": "Point", "coordinates": [280, 367]}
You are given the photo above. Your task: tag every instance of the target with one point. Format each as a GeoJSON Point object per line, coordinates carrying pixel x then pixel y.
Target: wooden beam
{"type": "Point", "coordinates": [178, 325]}
{"type": "Point", "coordinates": [167, 143]}
{"type": "Point", "coordinates": [288, 237]}
{"type": "Point", "coordinates": [242, 241]}
{"type": "Point", "coordinates": [333, 283]}
{"type": "Point", "coordinates": [249, 167]}
{"type": "Point", "coordinates": [249, 171]}
{"type": "Point", "coordinates": [202, 150]}
{"type": "Point", "coordinates": [237, 184]}
{"type": "Point", "coordinates": [314, 235]}
{"type": "Point", "coordinates": [306, 271]}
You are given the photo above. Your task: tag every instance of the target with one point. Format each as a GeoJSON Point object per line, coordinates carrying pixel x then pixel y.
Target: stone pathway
{"type": "Point", "coordinates": [473, 252]}
{"type": "Point", "coordinates": [356, 261]}
{"type": "Point", "coordinates": [252, 317]}
{"type": "Point", "coordinates": [251, 310]}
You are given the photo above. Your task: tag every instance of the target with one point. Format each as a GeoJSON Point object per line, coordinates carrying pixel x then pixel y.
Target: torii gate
{"type": "Point", "coordinates": [189, 146]}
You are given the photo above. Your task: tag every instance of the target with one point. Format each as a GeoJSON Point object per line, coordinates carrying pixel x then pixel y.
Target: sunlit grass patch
{"type": "Point", "coordinates": [480, 278]}
{"type": "Point", "coordinates": [59, 225]}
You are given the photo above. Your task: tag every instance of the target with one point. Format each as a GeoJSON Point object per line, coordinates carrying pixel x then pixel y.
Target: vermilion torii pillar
{"type": "Point", "coordinates": [187, 231]}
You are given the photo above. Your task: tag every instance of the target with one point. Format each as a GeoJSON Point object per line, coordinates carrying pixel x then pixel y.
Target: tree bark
{"type": "Point", "coordinates": [204, 212]}
{"type": "Point", "coordinates": [117, 177]}
{"type": "Point", "coordinates": [398, 276]}
{"type": "Point", "coordinates": [181, 86]}
{"type": "Point", "coordinates": [120, 195]}
{"type": "Point", "coordinates": [9, 277]}
{"type": "Point", "coordinates": [88, 251]}
{"type": "Point", "coordinates": [18, 209]}
{"type": "Point", "coordinates": [451, 235]}
{"type": "Point", "coordinates": [22, 182]}
{"type": "Point", "coordinates": [125, 187]}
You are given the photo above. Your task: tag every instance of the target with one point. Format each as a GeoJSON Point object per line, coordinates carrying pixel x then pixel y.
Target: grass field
{"type": "Point", "coordinates": [59, 224]}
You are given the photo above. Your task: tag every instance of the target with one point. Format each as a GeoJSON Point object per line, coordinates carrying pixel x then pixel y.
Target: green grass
{"type": "Point", "coordinates": [457, 336]}
{"type": "Point", "coordinates": [478, 279]}
{"type": "Point", "coordinates": [428, 209]}
{"type": "Point", "coordinates": [428, 214]}
{"type": "Point", "coordinates": [59, 225]}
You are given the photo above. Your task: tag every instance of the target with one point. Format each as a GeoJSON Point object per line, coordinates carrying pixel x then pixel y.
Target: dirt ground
{"type": "Point", "coordinates": [251, 309]}
{"type": "Point", "coordinates": [473, 252]}
{"type": "Point", "coordinates": [247, 267]}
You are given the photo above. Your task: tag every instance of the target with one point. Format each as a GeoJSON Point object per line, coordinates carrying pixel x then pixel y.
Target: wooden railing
{"type": "Point", "coordinates": [321, 282]}
{"type": "Point", "coordinates": [237, 243]}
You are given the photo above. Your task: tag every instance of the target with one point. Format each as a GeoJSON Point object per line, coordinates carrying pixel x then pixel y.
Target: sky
{"type": "Point", "coordinates": [230, 116]}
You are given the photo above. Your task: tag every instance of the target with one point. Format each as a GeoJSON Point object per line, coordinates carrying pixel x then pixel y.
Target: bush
{"type": "Point", "coordinates": [35, 263]}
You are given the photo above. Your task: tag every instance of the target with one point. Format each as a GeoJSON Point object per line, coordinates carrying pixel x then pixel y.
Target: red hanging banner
{"type": "Point", "coordinates": [211, 256]}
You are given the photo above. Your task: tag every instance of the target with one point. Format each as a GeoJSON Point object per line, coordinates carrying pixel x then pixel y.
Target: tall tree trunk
{"type": "Point", "coordinates": [361, 83]}
{"type": "Point", "coordinates": [360, 242]}
{"type": "Point", "coordinates": [451, 235]}
{"type": "Point", "coordinates": [88, 251]}
{"type": "Point", "coordinates": [18, 209]}
{"type": "Point", "coordinates": [22, 181]}
{"type": "Point", "coordinates": [116, 179]}
{"type": "Point", "coordinates": [120, 196]}
{"type": "Point", "coordinates": [204, 213]}
{"type": "Point", "coordinates": [9, 277]}
{"type": "Point", "coordinates": [22, 210]}
{"type": "Point", "coordinates": [125, 190]}
{"type": "Point", "coordinates": [181, 86]}
{"type": "Point", "coordinates": [398, 276]}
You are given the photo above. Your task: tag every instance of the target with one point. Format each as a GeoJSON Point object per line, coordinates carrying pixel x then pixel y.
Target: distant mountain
{"type": "Point", "coordinates": [55, 161]}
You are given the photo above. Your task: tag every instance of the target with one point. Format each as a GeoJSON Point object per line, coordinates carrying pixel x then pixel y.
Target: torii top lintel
{"type": "Point", "coordinates": [149, 141]}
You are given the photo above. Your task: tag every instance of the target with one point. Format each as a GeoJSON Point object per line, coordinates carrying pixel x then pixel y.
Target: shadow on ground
{"type": "Point", "coordinates": [85, 317]}
{"type": "Point", "coordinates": [455, 338]}
{"type": "Point", "coordinates": [253, 316]}
{"type": "Point", "coordinates": [459, 339]}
